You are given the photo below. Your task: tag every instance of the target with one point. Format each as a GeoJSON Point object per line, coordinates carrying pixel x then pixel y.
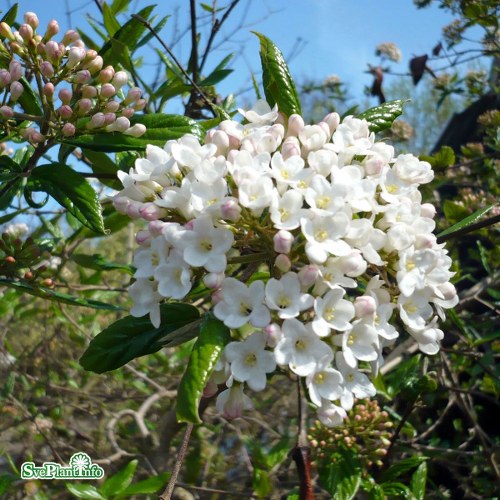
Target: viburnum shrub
{"type": "Point", "coordinates": [309, 242]}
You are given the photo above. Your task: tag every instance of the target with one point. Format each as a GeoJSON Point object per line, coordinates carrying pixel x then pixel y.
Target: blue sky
{"type": "Point", "coordinates": [340, 36]}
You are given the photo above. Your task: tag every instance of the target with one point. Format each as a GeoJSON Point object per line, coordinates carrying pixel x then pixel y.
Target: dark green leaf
{"type": "Point", "coordinates": [401, 467]}
{"type": "Point", "coordinates": [215, 77]}
{"type": "Point", "coordinates": [214, 335]}
{"type": "Point", "coordinates": [418, 481]}
{"type": "Point", "coordinates": [110, 22]}
{"type": "Point", "coordinates": [399, 490]}
{"type": "Point", "coordinates": [117, 483]}
{"type": "Point", "coordinates": [81, 490]}
{"type": "Point", "coordinates": [381, 117]}
{"type": "Point", "coordinates": [71, 190]}
{"type": "Point", "coordinates": [157, 28]}
{"type": "Point", "coordinates": [467, 221]}
{"type": "Point", "coordinates": [119, 6]}
{"type": "Point", "coordinates": [11, 190]}
{"type": "Point", "coordinates": [10, 15]}
{"type": "Point", "coordinates": [279, 87]}
{"type": "Point", "coordinates": [160, 129]}
{"type": "Point", "coordinates": [9, 217]}
{"type": "Point", "coordinates": [99, 263]}
{"type": "Point", "coordinates": [130, 337]}
{"type": "Point", "coordinates": [170, 89]}
{"type": "Point", "coordinates": [5, 481]}
{"type": "Point", "coordinates": [101, 163]}
{"type": "Point", "coordinates": [113, 223]}
{"type": "Point", "coordinates": [454, 211]}
{"type": "Point", "coordinates": [9, 169]}
{"type": "Point", "coordinates": [148, 486]}
{"type": "Point", "coordinates": [29, 100]}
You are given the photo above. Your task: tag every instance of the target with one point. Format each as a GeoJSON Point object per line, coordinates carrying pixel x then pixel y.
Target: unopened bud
{"type": "Point", "coordinates": [374, 166]}
{"type": "Point", "coordinates": [6, 32]}
{"type": "Point", "coordinates": [120, 79]}
{"type": "Point", "coordinates": [140, 105]}
{"type": "Point", "coordinates": [127, 112]}
{"type": "Point", "coordinates": [365, 306]}
{"type": "Point", "coordinates": [121, 203]}
{"type": "Point", "coordinates": [213, 280]}
{"type": "Point", "coordinates": [308, 275]}
{"type": "Point", "coordinates": [221, 140]}
{"type": "Point", "coordinates": [295, 125]}
{"type": "Point", "coordinates": [119, 125]}
{"type": "Point", "coordinates": [49, 283]}
{"type": "Point", "coordinates": [4, 78]}
{"type": "Point", "coordinates": [28, 275]}
{"type": "Point", "coordinates": [143, 237]}
{"type": "Point", "coordinates": [326, 129]}
{"type": "Point", "coordinates": [52, 51]}
{"type": "Point", "coordinates": [94, 65]}
{"type": "Point", "coordinates": [31, 19]}
{"type": "Point", "coordinates": [283, 241]}
{"type": "Point", "coordinates": [84, 106]}
{"type": "Point", "coordinates": [70, 36]}
{"type": "Point", "coordinates": [6, 112]}
{"type": "Point", "coordinates": [107, 91]}
{"type": "Point", "coordinates": [26, 32]}
{"type": "Point", "coordinates": [136, 130]}
{"type": "Point", "coordinates": [16, 89]}
{"type": "Point", "coordinates": [52, 29]}
{"type": "Point", "coordinates": [106, 74]}
{"type": "Point", "coordinates": [109, 118]}
{"type": "Point", "coordinates": [231, 210]}
{"type": "Point", "coordinates": [83, 76]}
{"type": "Point", "coordinates": [156, 227]}
{"type": "Point", "coordinates": [273, 334]}
{"type": "Point", "coordinates": [112, 107]}
{"type": "Point", "coordinates": [48, 90]}
{"type": "Point", "coordinates": [76, 54]}
{"type": "Point", "coordinates": [79, 43]}
{"type": "Point", "coordinates": [89, 92]}
{"type": "Point", "coordinates": [10, 260]}
{"type": "Point", "coordinates": [332, 120]}
{"type": "Point", "coordinates": [290, 147]}
{"type": "Point", "coordinates": [96, 121]}
{"type": "Point", "coordinates": [65, 95]}
{"type": "Point", "coordinates": [15, 70]}
{"type": "Point", "coordinates": [68, 130]}
{"type": "Point", "coordinates": [283, 263]}
{"type": "Point", "coordinates": [428, 210]}
{"type": "Point", "coordinates": [133, 95]}
{"type": "Point", "coordinates": [47, 69]}
{"type": "Point", "coordinates": [90, 55]}
{"type": "Point", "coordinates": [65, 111]}
{"type": "Point", "coordinates": [353, 265]}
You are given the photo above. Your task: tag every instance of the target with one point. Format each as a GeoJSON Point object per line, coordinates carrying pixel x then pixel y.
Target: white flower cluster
{"type": "Point", "coordinates": [311, 241]}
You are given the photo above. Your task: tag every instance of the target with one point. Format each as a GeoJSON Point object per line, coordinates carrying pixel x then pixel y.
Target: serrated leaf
{"type": "Point", "coordinates": [71, 190]}
{"type": "Point", "coordinates": [445, 157]}
{"type": "Point", "coordinates": [160, 129]}
{"type": "Point", "coordinates": [147, 486]}
{"type": "Point", "coordinates": [49, 294]}
{"type": "Point", "coordinates": [84, 491]}
{"type": "Point", "coordinates": [131, 337]}
{"type": "Point", "coordinates": [117, 483]}
{"type": "Point", "coordinates": [279, 87]}
{"type": "Point", "coordinates": [213, 337]}
{"type": "Point", "coordinates": [418, 481]}
{"type": "Point", "coordinates": [401, 467]}
{"type": "Point", "coordinates": [471, 219]}
{"type": "Point", "coordinates": [381, 117]}
{"type": "Point", "coordinates": [99, 263]}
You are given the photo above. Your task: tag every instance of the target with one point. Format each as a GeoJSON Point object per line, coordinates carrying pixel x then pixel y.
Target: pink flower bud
{"type": "Point", "coordinates": [82, 76]}
{"type": "Point", "coordinates": [31, 19]}
{"type": "Point", "coordinates": [273, 334]}
{"type": "Point", "coordinates": [365, 306]}
{"type": "Point", "coordinates": [213, 280]}
{"type": "Point", "coordinates": [6, 32]}
{"type": "Point", "coordinates": [48, 90]}
{"type": "Point", "coordinates": [76, 54]}
{"type": "Point", "coordinates": [156, 227]}
{"type": "Point", "coordinates": [96, 121]}
{"type": "Point", "coordinates": [133, 209]}
{"type": "Point", "coordinates": [109, 118]}
{"type": "Point", "coordinates": [290, 147]}
{"type": "Point", "coordinates": [90, 55]}
{"type": "Point", "coordinates": [424, 241]}
{"type": "Point", "coordinates": [89, 92]}
{"type": "Point", "coordinates": [47, 69]}
{"type": "Point", "coordinates": [231, 210]}
{"type": "Point", "coordinates": [71, 36]}
{"type": "Point", "coordinates": [112, 107]}
{"type": "Point", "coordinates": [35, 137]}
{"type": "Point", "coordinates": [143, 237]}
{"type": "Point", "coordinates": [84, 106]}
{"type": "Point", "coordinates": [65, 111]}
{"type": "Point", "coordinates": [151, 211]}
{"type": "Point", "coordinates": [107, 91]}
{"type": "Point", "coordinates": [374, 166]}
{"type": "Point", "coordinates": [16, 89]}
{"type": "Point", "coordinates": [6, 112]}
{"type": "Point", "coordinates": [79, 43]}
{"type": "Point", "coordinates": [65, 95]}
{"type": "Point", "coordinates": [53, 51]}
{"type": "Point", "coordinates": [283, 241]}
{"type": "Point", "coordinates": [26, 32]}
{"type": "Point", "coordinates": [353, 265]}
{"type": "Point", "coordinates": [217, 296]}
{"type": "Point", "coordinates": [119, 125]}
{"type": "Point", "coordinates": [221, 140]}
{"type": "Point", "coordinates": [121, 204]}
{"type": "Point", "coordinates": [332, 120]}
{"type": "Point", "coordinates": [140, 105]}
{"type": "Point", "coordinates": [136, 130]}
{"type": "Point", "coordinates": [94, 65]}
{"type": "Point", "coordinates": [15, 70]}
{"type": "Point", "coordinates": [277, 131]}
{"type": "Point", "coordinates": [283, 263]}
{"type": "Point", "coordinates": [295, 125]}
{"type": "Point", "coordinates": [326, 129]}
{"type": "Point", "coordinates": [428, 210]}
{"type": "Point", "coordinates": [106, 74]}
{"type": "Point", "coordinates": [4, 78]}
{"type": "Point", "coordinates": [120, 79]}
{"type": "Point", "coordinates": [127, 112]}
{"type": "Point", "coordinates": [68, 130]}
{"type": "Point", "coordinates": [308, 275]}
{"type": "Point", "coordinates": [133, 95]}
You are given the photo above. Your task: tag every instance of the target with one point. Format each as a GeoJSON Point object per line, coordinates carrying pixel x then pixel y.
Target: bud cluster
{"type": "Point", "coordinates": [77, 93]}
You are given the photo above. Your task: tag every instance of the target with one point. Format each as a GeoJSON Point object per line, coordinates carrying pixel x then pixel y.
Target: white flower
{"type": "Point", "coordinates": [355, 382]}
{"type": "Point", "coordinates": [331, 415]}
{"type": "Point", "coordinates": [332, 312]}
{"type": "Point", "coordinates": [301, 349]}
{"type": "Point", "coordinates": [287, 172]}
{"type": "Point", "coordinates": [286, 211]}
{"type": "Point", "coordinates": [189, 153]}
{"type": "Point", "coordinates": [428, 338]}
{"type": "Point", "coordinates": [250, 361]}
{"type": "Point", "coordinates": [240, 305]}
{"type": "Point", "coordinates": [146, 260]}
{"type": "Point", "coordinates": [409, 168]}
{"type": "Point", "coordinates": [173, 277]}
{"type": "Point", "coordinates": [313, 137]}
{"type": "Point", "coordinates": [324, 383]}
{"type": "Point", "coordinates": [256, 194]}
{"type": "Point", "coordinates": [360, 343]}
{"type": "Point", "coordinates": [146, 300]}
{"type": "Point", "coordinates": [324, 197]}
{"type": "Point", "coordinates": [285, 296]}
{"type": "Point", "coordinates": [415, 310]}
{"type": "Point", "coordinates": [352, 136]}
{"type": "Point", "coordinates": [233, 401]}
{"type": "Point", "coordinates": [261, 113]}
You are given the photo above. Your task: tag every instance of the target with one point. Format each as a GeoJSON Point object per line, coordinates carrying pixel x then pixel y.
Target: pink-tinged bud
{"type": "Point", "coordinates": [217, 297]}
{"type": "Point", "coordinates": [76, 54]}
{"type": "Point", "coordinates": [48, 90]}
{"type": "Point", "coordinates": [79, 43]}
{"type": "Point", "coordinates": [120, 79]}
{"type": "Point", "coordinates": [95, 64]}
{"type": "Point", "coordinates": [90, 55]}
{"type": "Point", "coordinates": [119, 125]}
{"type": "Point", "coordinates": [210, 389]}
{"type": "Point", "coordinates": [374, 166]}
{"type": "Point", "coordinates": [133, 95]}
{"type": "Point", "coordinates": [112, 107]}
{"type": "Point", "coordinates": [52, 51]}
{"type": "Point", "coordinates": [156, 227]}
{"type": "Point", "coordinates": [6, 112]}
{"type": "Point", "coordinates": [424, 241]}
{"type": "Point", "coordinates": [428, 210]}
{"type": "Point", "coordinates": [107, 91]}
{"type": "Point", "coordinates": [6, 32]}
{"type": "Point", "coordinates": [326, 129]}
{"type": "Point", "coordinates": [282, 119]}
{"type": "Point", "coordinates": [47, 69]}
{"type": "Point", "coordinates": [15, 70]}
{"type": "Point", "coordinates": [231, 210]}
{"type": "Point", "coordinates": [295, 125]}
{"type": "Point", "coordinates": [353, 265]}
{"type": "Point", "coordinates": [26, 32]}
{"type": "Point", "coordinates": [35, 137]}
{"type": "Point", "coordinates": [273, 334]}
{"type": "Point", "coordinates": [283, 241]}
{"type": "Point", "coordinates": [68, 130]}
{"type": "Point", "coordinates": [83, 76]}
{"type": "Point", "coordinates": [365, 306]}
{"type": "Point", "coordinates": [31, 19]}
{"type": "Point", "coordinates": [221, 140]}
{"type": "Point", "coordinates": [89, 92]}
{"type": "Point", "coordinates": [71, 36]}
{"type": "Point", "coordinates": [140, 105]}
{"type": "Point", "coordinates": [52, 29]}
{"type": "Point", "coordinates": [283, 263]}
{"type": "Point", "coordinates": [97, 121]}
{"type": "Point", "coordinates": [17, 48]}
{"type": "Point", "coordinates": [136, 130]}
{"type": "Point", "coordinates": [151, 211]}
{"type": "Point", "coordinates": [121, 204]}
{"type": "Point", "coordinates": [65, 112]}
{"type": "Point", "coordinates": [4, 78]}
{"type": "Point", "coordinates": [109, 118]}
{"type": "Point", "coordinates": [106, 74]}
{"type": "Point", "coordinates": [143, 237]}
{"type": "Point", "coordinates": [308, 275]}
{"type": "Point", "coordinates": [65, 95]}
{"type": "Point", "coordinates": [290, 147]}
{"type": "Point", "coordinates": [277, 131]}
{"type": "Point", "coordinates": [213, 280]}
{"type": "Point", "coordinates": [332, 120]}
{"type": "Point", "coordinates": [16, 90]}
{"type": "Point", "coordinates": [133, 209]}
{"type": "Point", "coordinates": [84, 106]}
{"type": "Point", "coordinates": [127, 112]}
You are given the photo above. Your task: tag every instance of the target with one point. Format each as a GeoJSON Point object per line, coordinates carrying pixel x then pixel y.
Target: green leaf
{"type": "Point", "coordinates": [9, 169]}
{"type": "Point", "coordinates": [29, 100]}
{"type": "Point", "coordinates": [117, 483]}
{"type": "Point", "coordinates": [157, 28]}
{"type": "Point", "coordinates": [148, 486]}
{"type": "Point", "coordinates": [5, 481]}
{"type": "Point", "coordinates": [381, 117]}
{"type": "Point", "coordinates": [418, 481]}
{"type": "Point", "coordinates": [119, 6]}
{"type": "Point", "coordinates": [81, 490]}
{"type": "Point", "coordinates": [110, 22]}
{"type": "Point", "coordinates": [99, 263]}
{"type": "Point", "coordinates": [445, 157]}
{"type": "Point", "coordinates": [101, 163]}
{"type": "Point", "coordinates": [261, 483]}
{"type": "Point", "coordinates": [12, 190]}
{"type": "Point", "coordinates": [215, 77]}
{"type": "Point", "coordinates": [401, 467]}
{"type": "Point", "coordinates": [131, 337]}
{"type": "Point", "coordinates": [160, 129]}
{"type": "Point", "coordinates": [10, 15]}
{"type": "Point", "coordinates": [399, 490]}
{"type": "Point", "coordinates": [49, 294]}
{"type": "Point", "coordinates": [9, 217]}
{"type": "Point", "coordinates": [279, 87]}
{"type": "Point", "coordinates": [454, 211]}
{"type": "Point", "coordinates": [467, 221]}
{"type": "Point", "coordinates": [214, 335]}
{"type": "Point", "coordinates": [71, 190]}
{"type": "Point", "coordinates": [341, 478]}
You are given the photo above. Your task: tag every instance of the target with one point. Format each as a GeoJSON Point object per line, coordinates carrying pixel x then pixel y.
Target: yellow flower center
{"type": "Point", "coordinates": [323, 201]}
{"type": "Point", "coordinates": [321, 235]}
{"type": "Point", "coordinates": [251, 359]}
{"type": "Point", "coordinates": [329, 314]}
